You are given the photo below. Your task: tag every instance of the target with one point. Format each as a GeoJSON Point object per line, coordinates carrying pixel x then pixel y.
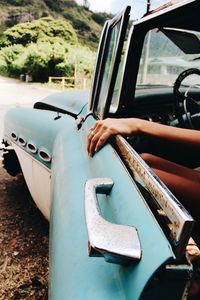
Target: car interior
{"type": "Point", "coordinates": [166, 89]}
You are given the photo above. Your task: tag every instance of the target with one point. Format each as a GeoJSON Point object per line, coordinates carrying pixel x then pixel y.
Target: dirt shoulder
{"type": "Point", "coordinates": [23, 243]}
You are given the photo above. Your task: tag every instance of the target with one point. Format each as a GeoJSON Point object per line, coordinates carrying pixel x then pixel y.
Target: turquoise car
{"type": "Point", "coordinates": [116, 231]}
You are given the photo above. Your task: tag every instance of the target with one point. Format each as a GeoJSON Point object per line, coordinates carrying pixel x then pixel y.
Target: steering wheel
{"type": "Point", "coordinates": [181, 100]}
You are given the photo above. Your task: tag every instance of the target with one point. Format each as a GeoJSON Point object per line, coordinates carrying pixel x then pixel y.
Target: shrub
{"type": "Point", "coordinates": [26, 33]}
{"type": "Point", "coordinates": [41, 59]}
{"type": "Point", "coordinates": [44, 48]}
{"type": "Point", "coordinates": [81, 25]}
{"type": "Point", "coordinates": [93, 37]}
{"type": "Point", "coordinates": [53, 4]}
{"type": "Point", "coordinates": [100, 18]}
{"type": "Point", "coordinates": [44, 59]}
{"type": "Point", "coordinates": [59, 5]}
{"type": "Point", "coordinates": [8, 55]}
{"type": "Point", "coordinates": [18, 2]}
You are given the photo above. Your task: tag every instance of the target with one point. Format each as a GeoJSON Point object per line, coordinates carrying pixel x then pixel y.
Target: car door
{"type": "Point", "coordinates": [105, 241]}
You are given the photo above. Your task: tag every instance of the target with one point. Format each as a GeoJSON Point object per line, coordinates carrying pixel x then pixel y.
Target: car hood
{"type": "Point", "coordinates": [69, 102]}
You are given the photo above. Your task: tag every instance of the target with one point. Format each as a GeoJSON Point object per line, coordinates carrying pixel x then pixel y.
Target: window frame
{"type": "Point", "coordinates": [121, 19]}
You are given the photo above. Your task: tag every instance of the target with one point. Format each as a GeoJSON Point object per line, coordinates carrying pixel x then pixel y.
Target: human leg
{"type": "Point", "coordinates": [182, 181]}
{"type": "Point", "coordinates": [186, 156]}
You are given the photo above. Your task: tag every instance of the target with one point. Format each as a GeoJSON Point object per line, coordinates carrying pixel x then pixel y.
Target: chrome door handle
{"type": "Point", "coordinates": [117, 243]}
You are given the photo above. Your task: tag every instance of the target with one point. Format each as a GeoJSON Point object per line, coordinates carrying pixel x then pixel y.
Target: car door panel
{"type": "Point", "coordinates": [157, 272]}
{"type": "Point", "coordinates": [124, 205]}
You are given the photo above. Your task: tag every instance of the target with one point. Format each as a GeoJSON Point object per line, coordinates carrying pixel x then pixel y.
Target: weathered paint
{"type": "Point", "coordinates": [38, 180]}
{"type": "Point", "coordinates": [181, 221]}
{"type": "Point", "coordinates": [117, 243]}
{"type": "Point", "coordinates": [74, 275]}
{"type": "Point", "coordinates": [38, 128]}
{"type": "Point", "coordinates": [71, 101]}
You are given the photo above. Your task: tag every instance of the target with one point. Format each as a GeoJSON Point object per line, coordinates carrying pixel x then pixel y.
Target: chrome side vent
{"type": "Point", "coordinates": [22, 141]}
{"type": "Point", "coordinates": [14, 136]}
{"type": "Point", "coordinates": [31, 147]}
{"type": "Point", "coordinates": [44, 155]}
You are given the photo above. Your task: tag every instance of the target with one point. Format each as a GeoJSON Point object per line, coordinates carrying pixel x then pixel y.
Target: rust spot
{"type": "Point", "coordinates": [137, 168]}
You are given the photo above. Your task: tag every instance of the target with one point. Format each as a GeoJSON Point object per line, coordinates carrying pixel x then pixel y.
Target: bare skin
{"type": "Point", "coordinates": [182, 181]}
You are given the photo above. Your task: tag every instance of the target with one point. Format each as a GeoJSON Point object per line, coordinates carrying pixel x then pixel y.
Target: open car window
{"type": "Point", "coordinates": [166, 53]}
{"type": "Point", "coordinates": [108, 63]}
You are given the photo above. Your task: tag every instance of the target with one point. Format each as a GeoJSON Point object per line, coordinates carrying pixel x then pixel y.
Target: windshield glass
{"type": "Point", "coordinates": [166, 54]}
{"type": "Point", "coordinates": [110, 56]}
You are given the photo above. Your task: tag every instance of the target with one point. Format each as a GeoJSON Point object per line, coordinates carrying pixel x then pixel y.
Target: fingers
{"type": "Point", "coordinates": [101, 141]}
{"type": "Point", "coordinates": [90, 141]}
{"type": "Point", "coordinates": [93, 137]}
{"type": "Point", "coordinates": [104, 129]}
{"type": "Point", "coordinates": [96, 142]}
{"type": "Point", "coordinates": [97, 137]}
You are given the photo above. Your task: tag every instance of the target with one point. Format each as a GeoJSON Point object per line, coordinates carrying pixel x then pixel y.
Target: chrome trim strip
{"type": "Point", "coordinates": [22, 141]}
{"type": "Point", "coordinates": [31, 147]}
{"type": "Point", "coordinates": [44, 155]}
{"type": "Point", "coordinates": [181, 221]}
{"type": "Point", "coordinates": [14, 136]}
{"type": "Point", "coordinates": [15, 145]}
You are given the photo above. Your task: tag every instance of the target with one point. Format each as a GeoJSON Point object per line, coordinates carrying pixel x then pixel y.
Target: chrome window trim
{"type": "Point", "coordinates": [121, 19]}
{"type": "Point", "coordinates": [181, 221]}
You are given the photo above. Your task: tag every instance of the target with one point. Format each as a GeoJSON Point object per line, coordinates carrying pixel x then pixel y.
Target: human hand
{"type": "Point", "coordinates": [104, 129]}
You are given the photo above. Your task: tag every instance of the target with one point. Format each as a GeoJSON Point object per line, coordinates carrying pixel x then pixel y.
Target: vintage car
{"type": "Point", "coordinates": [116, 231]}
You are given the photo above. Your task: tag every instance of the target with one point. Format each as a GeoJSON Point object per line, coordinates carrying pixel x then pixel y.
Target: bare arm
{"type": "Point", "coordinates": [103, 130]}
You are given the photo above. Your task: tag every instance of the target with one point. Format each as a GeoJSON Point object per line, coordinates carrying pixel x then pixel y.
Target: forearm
{"type": "Point", "coordinates": [168, 133]}
{"type": "Point", "coordinates": [104, 129]}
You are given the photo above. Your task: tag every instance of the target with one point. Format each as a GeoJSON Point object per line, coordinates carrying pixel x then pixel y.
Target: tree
{"type": "Point", "coordinates": [43, 48]}
{"type": "Point", "coordinates": [86, 4]}
{"type": "Point", "coordinates": [31, 32]}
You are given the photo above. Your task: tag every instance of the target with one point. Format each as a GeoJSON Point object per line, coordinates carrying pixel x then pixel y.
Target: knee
{"type": "Point", "coordinates": [148, 158]}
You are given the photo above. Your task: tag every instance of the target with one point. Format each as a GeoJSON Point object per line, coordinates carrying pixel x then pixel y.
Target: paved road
{"type": "Point", "coordinates": [23, 231]}
{"type": "Point", "coordinates": [15, 93]}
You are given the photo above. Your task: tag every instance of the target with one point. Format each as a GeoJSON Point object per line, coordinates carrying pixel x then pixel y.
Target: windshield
{"type": "Point", "coordinates": [110, 56]}
{"type": "Point", "coordinates": [166, 54]}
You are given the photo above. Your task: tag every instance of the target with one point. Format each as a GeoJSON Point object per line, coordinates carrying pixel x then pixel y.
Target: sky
{"type": "Point", "coordinates": [138, 7]}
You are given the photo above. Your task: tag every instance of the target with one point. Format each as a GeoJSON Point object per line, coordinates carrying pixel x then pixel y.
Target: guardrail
{"type": "Point", "coordinates": [73, 82]}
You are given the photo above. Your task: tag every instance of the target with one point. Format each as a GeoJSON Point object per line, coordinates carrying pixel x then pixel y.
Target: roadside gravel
{"type": "Point", "coordinates": [23, 243]}
{"type": "Point", "coordinates": [23, 230]}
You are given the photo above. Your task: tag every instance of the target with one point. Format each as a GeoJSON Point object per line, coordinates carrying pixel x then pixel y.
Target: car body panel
{"type": "Point", "coordinates": [56, 130]}
{"type": "Point", "coordinates": [71, 102]}
{"type": "Point", "coordinates": [107, 281]}
{"type": "Point", "coordinates": [38, 180]}
{"type": "Point", "coordinates": [25, 127]}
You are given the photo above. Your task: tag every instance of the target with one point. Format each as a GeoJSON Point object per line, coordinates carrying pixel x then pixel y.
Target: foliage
{"type": "Point", "coordinates": [88, 30]}
{"type": "Point", "coordinates": [53, 4]}
{"type": "Point", "coordinates": [100, 18]}
{"type": "Point", "coordinates": [86, 23]}
{"type": "Point", "coordinates": [47, 46]}
{"type": "Point", "coordinates": [26, 33]}
{"type": "Point", "coordinates": [18, 2]}
{"type": "Point", "coordinates": [82, 58]}
{"type": "Point", "coordinates": [53, 57]}
{"type": "Point", "coordinates": [8, 55]}
{"type": "Point", "coordinates": [59, 5]}
{"type": "Point", "coordinates": [81, 25]}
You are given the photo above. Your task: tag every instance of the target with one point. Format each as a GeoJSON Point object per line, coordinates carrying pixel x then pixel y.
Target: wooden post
{"type": "Point", "coordinates": [63, 83]}
{"type": "Point", "coordinates": [84, 83]}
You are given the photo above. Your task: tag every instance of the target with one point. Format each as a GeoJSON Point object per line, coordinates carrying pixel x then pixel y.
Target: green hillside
{"type": "Point", "coordinates": [48, 38]}
{"type": "Point", "coordinates": [86, 23]}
